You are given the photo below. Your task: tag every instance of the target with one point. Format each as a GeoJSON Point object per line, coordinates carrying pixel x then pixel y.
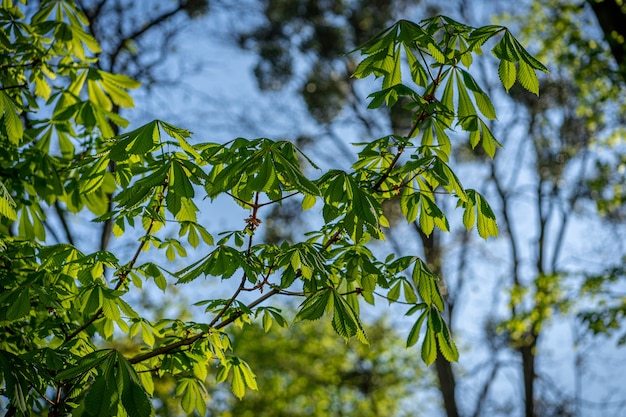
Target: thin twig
{"type": "Point", "coordinates": [9, 87]}
{"type": "Point", "coordinates": [190, 340]}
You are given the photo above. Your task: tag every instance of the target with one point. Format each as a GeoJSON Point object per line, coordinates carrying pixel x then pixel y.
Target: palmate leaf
{"type": "Point", "coordinates": [134, 397]}
{"type": "Point", "coordinates": [409, 204]}
{"type": "Point", "coordinates": [510, 51]}
{"type": "Point", "coordinates": [314, 306]}
{"type": "Point", "coordinates": [476, 205]}
{"type": "Point", "coordinates": [346, 320]}
{"type": "Point", "coordinates": [179, 180]}
{"type": "Point", "coordinates": [137, 142]}
{"type": "Point", "coordinates": [293, 174]}
{"type": "Point", "coordinates": [418, 73]}
{"type": "Point", "coordinates": [222, 262]}
{"type": "Point", "coordinates": [102, 397]}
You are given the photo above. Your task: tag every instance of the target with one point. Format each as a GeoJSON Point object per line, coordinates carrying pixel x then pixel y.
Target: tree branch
{"type": "Point", "coordinates": [190, 340]}
{"type": "Point", "coordinates": [145, 28]}
{"type": "Point", "coordinates": [9, 87]}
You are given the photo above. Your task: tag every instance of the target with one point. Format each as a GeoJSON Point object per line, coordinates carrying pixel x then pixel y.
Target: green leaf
{"type": "Point", "coordinates": [505, 49]}
{"type": "Point", "coordinates": [486, 219]}
{"type": "Point", "coordinates": [418, 73]}
{"type": "Point", "coordinates": [97, 96]}
{"type": "Point", "coordinates": [179, 181]}
{"type": "Point", "coordinates": [409, 293]}
{"type": "Point", "coordinates": [507, 74]}
{"type": "Point", "coordinates": [489, 142]}
{"type": "Point", "coordinates": [7, 204]}
{"type": "Point", "coordinates": [409, 204]}
{"type": "Point", "coordinates": [307, 202]}
{"type": "Point", "coordinates": [238, 385]}
{"type": "Point", "coordinates": [465, 105]}
{"type": "Point", "coordinates": [10, 119]}
{"type": "Point", "coordinates": [294, 176]}
{"type": "Point", "coordinates": [527, 77]}
{"type": "Point", "coordinates": [346, 321]}
{"type": "Point", "coordinates": [314, 306]}
{"type": "Point", "coordinates": [392, 66]}
{"type": "Point", "coordinates": [85, 365]}
{"type": "Point", "coordinates": [415, 330]}
{"type": "Point", "coordinates": [429, 347]}
{"type": "Point", "coordinates": [394, 293]}
{"type": "Point", "coordinates": [102, 397]}
{"type": "Point", "coordinates": [20, 306]}
{"type": "Point", "coordinates": [137, 142]}
{"type": "Point", "coordinates": [267, 321]}
{"type": "Point", "coordinates": [134, 397]}
{"type": "Point", "coordinates": [447, 347]}
{"type": "Point", "coordinates": [436, 53]}
{"type": "Point", "coordinates": [16, 383]}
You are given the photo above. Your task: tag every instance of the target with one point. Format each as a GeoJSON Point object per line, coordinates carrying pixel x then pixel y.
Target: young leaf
{"type": "Point", "coordinates": [429, 347]}
{"type": "Point", "coordinates": [507, 73]}
{"type": "Point", "coordinates": [314, 306]}
{"type": "Point", "coordinates": [415, 330]}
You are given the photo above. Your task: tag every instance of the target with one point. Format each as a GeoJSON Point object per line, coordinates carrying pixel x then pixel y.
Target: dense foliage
{"type": "Point", "coordinates": [59, 151]}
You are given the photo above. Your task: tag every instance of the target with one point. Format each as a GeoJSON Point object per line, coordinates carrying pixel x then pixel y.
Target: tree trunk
{"type": "Point", "coordinates": [447, 385]}
{"type": "Point", "coordinates": [528, 368]}
{"type": "Point", "coordinates": [612, 19]}
{"type": "Point", "coordinates": [445, 375]}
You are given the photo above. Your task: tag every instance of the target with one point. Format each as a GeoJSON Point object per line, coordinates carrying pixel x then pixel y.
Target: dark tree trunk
{"type": "Point", "coordinates": [528, 368]}
{"type": "Point", "coordinates": [445, 376]}
{"type": "Point", "coordinates": [447, 385]}
{"type": "Point", "coordinates": [612, 19]}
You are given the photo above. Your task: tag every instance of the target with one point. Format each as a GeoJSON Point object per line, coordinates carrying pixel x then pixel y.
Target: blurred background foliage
{"type": "Point", "coordinates": [559, 186]}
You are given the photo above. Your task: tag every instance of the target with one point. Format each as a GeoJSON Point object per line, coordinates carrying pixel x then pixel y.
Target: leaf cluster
{"type": "Point", "coordinates": [59, 302]}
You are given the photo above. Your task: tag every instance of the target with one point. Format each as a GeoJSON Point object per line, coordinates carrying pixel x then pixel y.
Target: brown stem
{"type": "Point", "coordinates": [188, 341]}
{"type": "Point", "coordinates": [9, 87]}
{"type": "Point", "coordinates": [257, 205]}
{"type": "Point", "coordinates": [66, 227]}
{"type": "Point", "coordinates": [144, 28]}
{"type": "Point", "coordinates": [429, 95]}
{"type": "Point", "coordinates": [384, 177]}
